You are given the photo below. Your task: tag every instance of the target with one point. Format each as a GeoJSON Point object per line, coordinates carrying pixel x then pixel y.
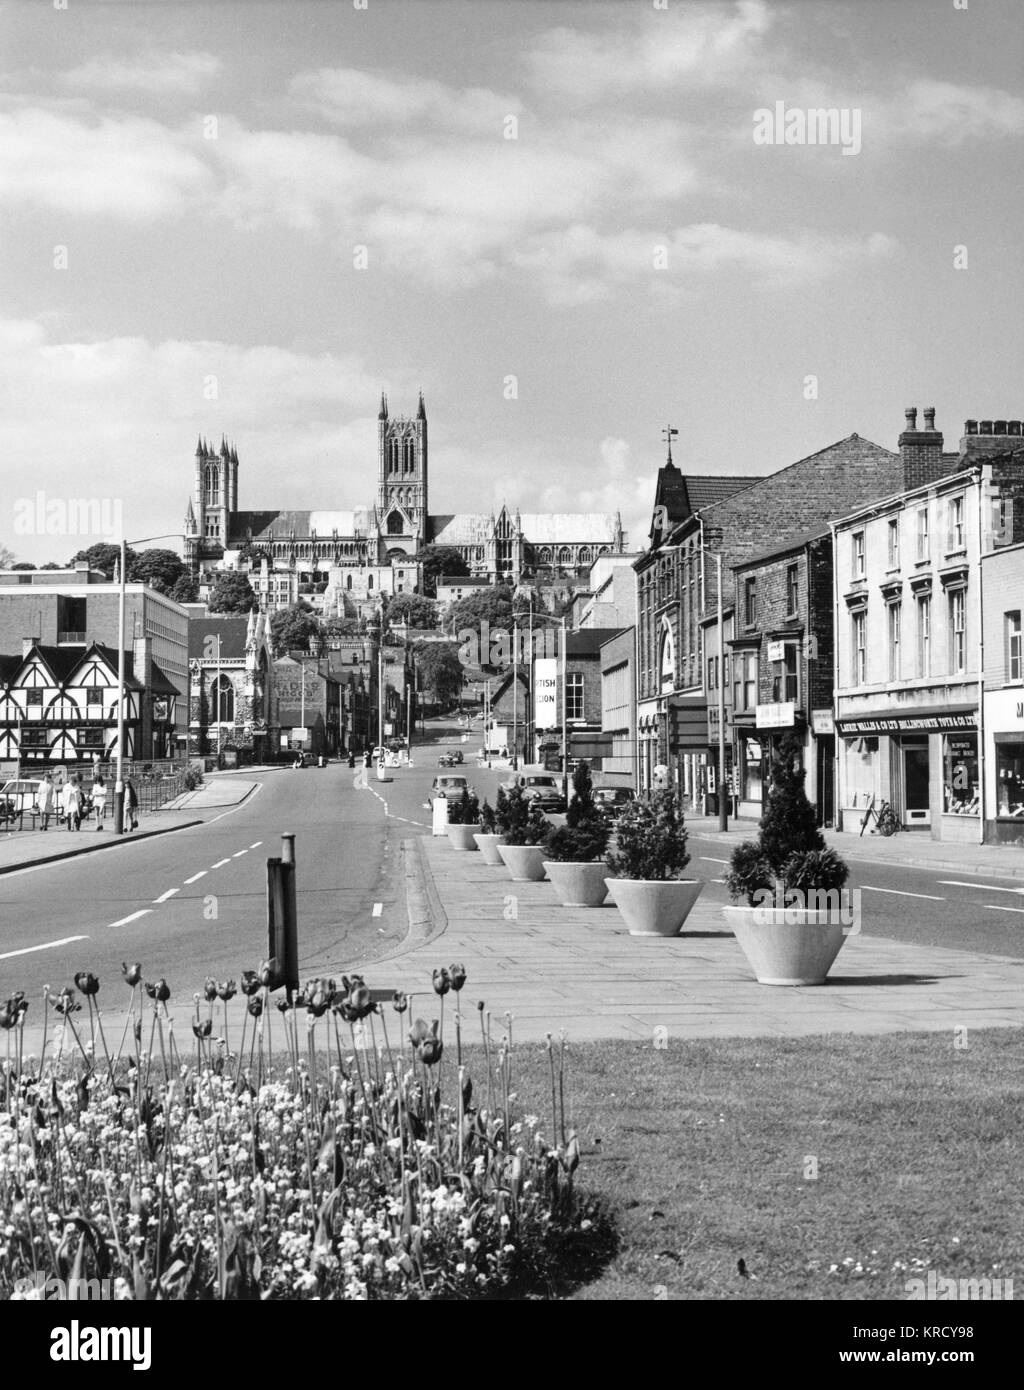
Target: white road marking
{"type": "Point", "coordinates": [980, 887]}
{"type": "Point", "coordinates": [710, 859]}
{"type": "Point", "coordinates": [378, 908]}
{"type": "Point", "coordinates": [220, 863]}
{"type": "Point", "coordinates": [992, 908]}
{"type": "Point", "coordinates": [901, 894]}
{"type": "Point", "coordinates": [123, 921]}
{"type": "Point", "coordinates": [238, 853]}
{"type": "Point", "coordinates": [200, 874]}
{"type": "Point", "coordinates": [164, 896]}
{"type": "Point", "coordinates": [256, 845]}
{"type": "Point", "coordinates": [46, 946]}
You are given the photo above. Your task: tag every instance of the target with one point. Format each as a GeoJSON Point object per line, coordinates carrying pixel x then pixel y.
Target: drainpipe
{"type": "Point", "coordinates": [981, 660]}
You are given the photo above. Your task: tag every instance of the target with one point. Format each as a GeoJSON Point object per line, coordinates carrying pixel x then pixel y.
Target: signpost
{"type": "Point", "coordinates": [282, 923]}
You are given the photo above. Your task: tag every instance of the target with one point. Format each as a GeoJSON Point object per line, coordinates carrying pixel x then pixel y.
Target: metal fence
{"type": "Point", "coordinates": [155, 785]}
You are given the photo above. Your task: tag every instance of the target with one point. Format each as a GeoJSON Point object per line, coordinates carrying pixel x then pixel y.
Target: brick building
{"type": "Point", "coordinates": [696, 519]}
{"type": "Point", "coordinates": [779, 668]}
{"type": "Point", "coordinates": [230, 687]}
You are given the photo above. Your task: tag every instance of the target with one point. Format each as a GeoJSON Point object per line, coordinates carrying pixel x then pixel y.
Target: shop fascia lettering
{"type": "Point", "coordinates": [904, 724]}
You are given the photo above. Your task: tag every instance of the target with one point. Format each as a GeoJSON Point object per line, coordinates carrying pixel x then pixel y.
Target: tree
{"type": "Point", "coordinates": [231, 593]}
{"type": "Point", "coordinates": [335, 628]}
{"type": "Point", "coordinates": [186, 589]}
{"type": "Point", "coordinates": [160, 568]}
{"type": "Point", "coordinates": [6, 558]}
{"type": "Point", "coordinates": [412, 609]}
{"type": "Point", "coordinates": [440, 669]}
{"type": "Point", "coordinates": [437, 560]}
{"type": "Point", "coordinates": [295, 628]}
{"type": "Point", "coordinates": [51, 565]}
{"type": "Point", "coordinates": [106, 557]}
{"type": "Point", "coordinates": [23, 565]}
{"type": "Point", "coordinates": [789, 824]}
{"type": "Point", "coordinates": [493, 604]}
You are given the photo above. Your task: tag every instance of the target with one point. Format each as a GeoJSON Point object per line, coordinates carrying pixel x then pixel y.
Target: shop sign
{"type": "Point", "coordinates": [545, 703]}
{"type": "Point", "coordinates": [777, 716]}
{"type": "Point", "coordinates": [822, 721]}
{"type": "Point", "coordinates": [910, 723]}
{"type": "Point", "coordinates": [776, 651]}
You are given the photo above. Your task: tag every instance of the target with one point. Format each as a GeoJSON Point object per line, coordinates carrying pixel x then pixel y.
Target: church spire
{"type": "Point", "coordinates": [421, 413]}
{"type": "Point", "coordinates": [382, 414]}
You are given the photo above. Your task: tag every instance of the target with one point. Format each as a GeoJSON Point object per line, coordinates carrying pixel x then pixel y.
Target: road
{"type": "Point", "coordinates": [193, 903]}
{"type": "Point", "coordinates": [929, 907]}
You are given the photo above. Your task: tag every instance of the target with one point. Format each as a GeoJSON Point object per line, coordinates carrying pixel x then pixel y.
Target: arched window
{"type": "Point", "coordinates": [585, 557]}
{"type": "Point", "coordinates": [222, 701]}
{"type": "Point", "coordinates": [212, 480]}
{"type": "Point", "coordinates": [565, 556]}
{"type": "Point", "coordinates": [410, 455]}
{"type": "Point", "coordinates": [348, 581]}
{"type": "Point", "coordinates": [396, 526]}
{"type": "Point", "coordinates": [392, 455]}
{"type": "Point", "coordinates": [667, 664]}
{"type": "Point", "coordinates": [369, 582]}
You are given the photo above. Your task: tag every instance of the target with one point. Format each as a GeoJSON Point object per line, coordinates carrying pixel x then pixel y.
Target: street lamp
{"type": "Point", "coordinates": [119, 774]}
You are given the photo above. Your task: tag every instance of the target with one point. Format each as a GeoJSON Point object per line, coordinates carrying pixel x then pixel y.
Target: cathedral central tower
{"type": "Point", "coordinates": [401, 480]}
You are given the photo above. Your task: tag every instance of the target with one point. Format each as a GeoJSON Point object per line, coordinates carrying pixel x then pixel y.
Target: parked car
{"type": "Point", "coordinates": [540, 787]}
{"type": "Point", "coordinates": [456, 755]}
{"type": "Point", "coordinates": [612, 801]}
{"type": "Point", "coordinates": [19, 796]}
{"type": "Point", "coordinates": [449, 786]}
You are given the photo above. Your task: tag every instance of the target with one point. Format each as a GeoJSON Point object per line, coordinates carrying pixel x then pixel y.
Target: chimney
{"type": "Point", "coordinates": [27, 643]}
{"type": "Point", "coordinates": [985, 437]}
{"type": "Point", "coordinates": [920, 450]}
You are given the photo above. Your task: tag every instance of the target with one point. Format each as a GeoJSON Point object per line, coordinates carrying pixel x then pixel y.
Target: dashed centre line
{"type": "Point", "coordinates": [44, 946]}
{"type": "Point", "coordinates": [200, 874]}
{"type": "Point", "coordinates": [980, 887]}
{"type": "Point", "coordinates": [900, 893]}
{"type": "Point", "coordinates": [169, 894]}
{"type": "Point", "coordinates": [378, 908]}
{"type": "Point", "coordinates": [991, 907]}
{"type": "Point", "coordinates": [220, 863]}
{"type": "Point", "coordinates": [256, 845]}
{"type": "Point", "coordinates": [132, 917]}
{"type": "Point", "coordinates": [238, 853]}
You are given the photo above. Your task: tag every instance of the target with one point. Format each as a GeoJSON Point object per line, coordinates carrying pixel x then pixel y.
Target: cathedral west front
{"type": "Point", "coordinates": [342, 561]}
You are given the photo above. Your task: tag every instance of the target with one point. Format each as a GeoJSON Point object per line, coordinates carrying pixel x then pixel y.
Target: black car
{"type": "Point", "coordinates": [612, 801]}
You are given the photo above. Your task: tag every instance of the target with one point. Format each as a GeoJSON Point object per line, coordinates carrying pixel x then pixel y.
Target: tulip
{"type": "Point", "coordinates": [203, 1029]}
{"type": "Point", "coordinates": [283, 1003]}
{"type": "Point", "coordinates": [267, 975]}
{"type": "Point", "coordinates": [442, 981]}
{"type": "Point", "coordinates": [431, 1047]}
{"type": "Point", "coordinates": [458, 976]}
{"type": "Point", "coordinates": [360, 1002]}
{"type": "Point", "coordinates": [226, 989]}
{"type": "Point", "coordinates": [132, 973]}
{"type": "Point", "coordinates": [210, 989]}
{"type": "Point", "coordinates": [161, 991]}
{"type": "Point", "coordinates": [255, 1005]}
{"type": "Point", "coordinates": [250, 981]}
{"type": "Point", "coordinates": [8, 1014]}
{"type": "Point", "coordinates": [65, 1003]}
{"type": "Point", "coordinates": [87, 982]}
{"type": "Point", "coordinates": [418, 1032]}
{"type": "Point", "coordinates": [399, 1001]}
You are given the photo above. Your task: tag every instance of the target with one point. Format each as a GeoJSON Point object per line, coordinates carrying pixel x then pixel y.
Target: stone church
{"type": "Point", "coordinates": [342, 561]}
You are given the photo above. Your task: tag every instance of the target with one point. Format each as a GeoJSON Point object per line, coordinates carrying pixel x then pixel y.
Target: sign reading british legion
{"type": "Point", "coordinates": [545, 706]}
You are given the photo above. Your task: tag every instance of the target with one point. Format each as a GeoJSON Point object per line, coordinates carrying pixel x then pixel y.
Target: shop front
{"type": "Point", "coordinates": [1004, 767]}
{"type": "Point", "coordinates": [925, 765]}
{"type": "Point", "coordinates": [688, 747]}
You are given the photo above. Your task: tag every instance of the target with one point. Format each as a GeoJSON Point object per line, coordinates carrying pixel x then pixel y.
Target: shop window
{"type": "Point", "coordinates": [1010, 778]}
{"type": "Point", "coordinates": [861, 771]}
{"type": "Point", "coordinates": [751, 770]}
{"type": "Point", "coordinates": [960, 774]}
{"type": "Point", "coordinates": [1013, 646]}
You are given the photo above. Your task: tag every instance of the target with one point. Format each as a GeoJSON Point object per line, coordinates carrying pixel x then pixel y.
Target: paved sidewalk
{"type": "Point", "coordinates": [217, 790]}
{"type": "Point", "coordinates": [907, 847]}
{"type": "Point", "coordinates": [579, 969]}
{"type": "Point", "coordinates": [27, 849]}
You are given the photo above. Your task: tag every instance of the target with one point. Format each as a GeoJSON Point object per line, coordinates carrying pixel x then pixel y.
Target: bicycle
{"type": "Point", "coordinates": [887, 822]}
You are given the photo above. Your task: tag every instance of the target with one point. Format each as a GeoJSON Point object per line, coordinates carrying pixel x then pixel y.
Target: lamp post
{"type": "Point", "coordinates": [119, 774]}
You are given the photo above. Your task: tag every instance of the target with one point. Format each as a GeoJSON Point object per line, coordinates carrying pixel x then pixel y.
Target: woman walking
{"type": "Point", "coordinates": [72, 804]}
{"type": "Point", "coordinates": [131, 806]}
{"type": "Point", "coordinates": [99, 801]}
{"type": "Point", "coordinates": [46, 801]}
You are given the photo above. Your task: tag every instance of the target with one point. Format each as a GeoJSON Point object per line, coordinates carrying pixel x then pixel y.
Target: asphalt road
{"type": "Point", "coordinates": [929, 907]}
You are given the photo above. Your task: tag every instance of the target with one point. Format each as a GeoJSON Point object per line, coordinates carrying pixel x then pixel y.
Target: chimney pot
{"type": "Point", "coordinates": [1013, 427]}
{"type": "Point", "coordinates": [911, 417]}
{"type": "Point", "coordinates": [985, 427]}
{"type": "Point", "coordinates": [970, 427]}
{"type": "Point", "coordinates": [999, 427]}
{"type": "Point", "coordinates": [929, 418]}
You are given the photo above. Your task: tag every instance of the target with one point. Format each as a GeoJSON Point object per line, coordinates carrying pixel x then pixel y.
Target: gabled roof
{"type": "Point", "coordinates": [587, 640]}
{"type": "Point", "coordinates": [705, 489]}
{"type": "Point", "coordinates": [62, 662]}
{"type": "Point", "coordinates": [159, 684]}
{"type": "Point", "coordinates": [279, 525]}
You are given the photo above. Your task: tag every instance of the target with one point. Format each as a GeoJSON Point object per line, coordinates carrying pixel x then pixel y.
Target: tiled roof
{"type": "Point", "coordinates": [782, 547]}
{"type": "Point", "coordinates": [568, 528]}
{"type": "Point", "coordinates": [706, 489]}
{"type": "Point", "coordinates": [278, 525]}
{"type": "Point", "coordinates": [587, 640]}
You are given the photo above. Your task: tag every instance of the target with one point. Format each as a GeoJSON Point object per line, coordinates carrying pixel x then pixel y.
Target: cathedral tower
{"type": "Point", "coordinates": [214, 498]}
{"type": "Point", "coordinates": [402, 480]}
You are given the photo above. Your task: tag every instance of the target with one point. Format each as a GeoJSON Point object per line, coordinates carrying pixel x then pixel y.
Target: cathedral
{"type": "Point", "coordinates": [342, 561]}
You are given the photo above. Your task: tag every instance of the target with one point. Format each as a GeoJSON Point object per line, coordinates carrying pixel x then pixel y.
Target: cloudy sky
{"type": "Point", "coordinates": [248, 219]}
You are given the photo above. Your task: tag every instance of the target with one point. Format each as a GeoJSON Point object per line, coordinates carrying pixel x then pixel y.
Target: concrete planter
{"type": "Point", "coordinates": [524, 862]}
{"type": "Point", "coordinates": [462, 836]}
{"type": "Point", "coordinates": [786, 946]}
{"type": "Point", "coordinates": [488, 847]}
{"type": "Point", "coordinates": [578, 884]}
{"type": "Point", "coordinates": [653, 908]}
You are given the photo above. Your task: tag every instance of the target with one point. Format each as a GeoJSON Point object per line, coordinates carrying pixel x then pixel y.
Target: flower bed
{"type": "Point", "coordinates": [354, 1165]}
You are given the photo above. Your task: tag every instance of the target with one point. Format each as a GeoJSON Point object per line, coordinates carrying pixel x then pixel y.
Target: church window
{"type": "Point", "coordinates": [410, 455]}
{"type": "Point", "coordinates": [212, 478]}
{"type": "Point", "coordinates": [348, 581]}
{"type": "Point", "coordinates": [369, 582]}
{"type": "Point", "coordinates": [395, 524]}
{"type": "Point", "coordinates": [585, 556]}
{"type": "Point", "coordinates": [565, 556]}
{"type": "Point", "coordinates": [222, 701]}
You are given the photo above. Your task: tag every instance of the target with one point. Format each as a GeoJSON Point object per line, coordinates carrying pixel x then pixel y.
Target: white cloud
{"type": "Point", "coordinates": [953, 114]}
{"type": "Point", "coordinates": [350, 97]}
{"type": "Point", "coordinates": [128, 166]}
{"type": "Point", "coordinates": [170, 74]}
{"type": "Point", "coordinates": [693, 46]}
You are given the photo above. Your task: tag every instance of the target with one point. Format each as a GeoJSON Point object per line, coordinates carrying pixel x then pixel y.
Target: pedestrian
{"type": "Point", "coordinates": [46, 801]}
{"type": "Point", "coordinates": [131, 806]}
{"type": "Point", "coordinates": [71, 803]}
{"type": "Point", "coordinates": [99, 801]}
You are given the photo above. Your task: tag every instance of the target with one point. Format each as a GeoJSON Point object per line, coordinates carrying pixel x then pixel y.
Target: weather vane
{"type": "Point", "coordinates": [668, 434]}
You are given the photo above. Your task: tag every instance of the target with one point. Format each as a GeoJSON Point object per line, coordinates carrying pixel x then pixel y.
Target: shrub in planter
{"type": "Point", "coordinates": [647, 883]}
{"type": "Point", "coordinates": [488, 822]}
{"type": "Point", "coordinates": [464, 811]}
{"type": "Point", "coordinates": [574, 850]}
{"type": "Point", "coordinates": [521, 821]}
{"type": "Point", "coordinates": [790, 929]}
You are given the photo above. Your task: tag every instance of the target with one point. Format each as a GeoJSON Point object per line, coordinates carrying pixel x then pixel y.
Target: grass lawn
{"type": "Point", "coordinates": [705, 1151]}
